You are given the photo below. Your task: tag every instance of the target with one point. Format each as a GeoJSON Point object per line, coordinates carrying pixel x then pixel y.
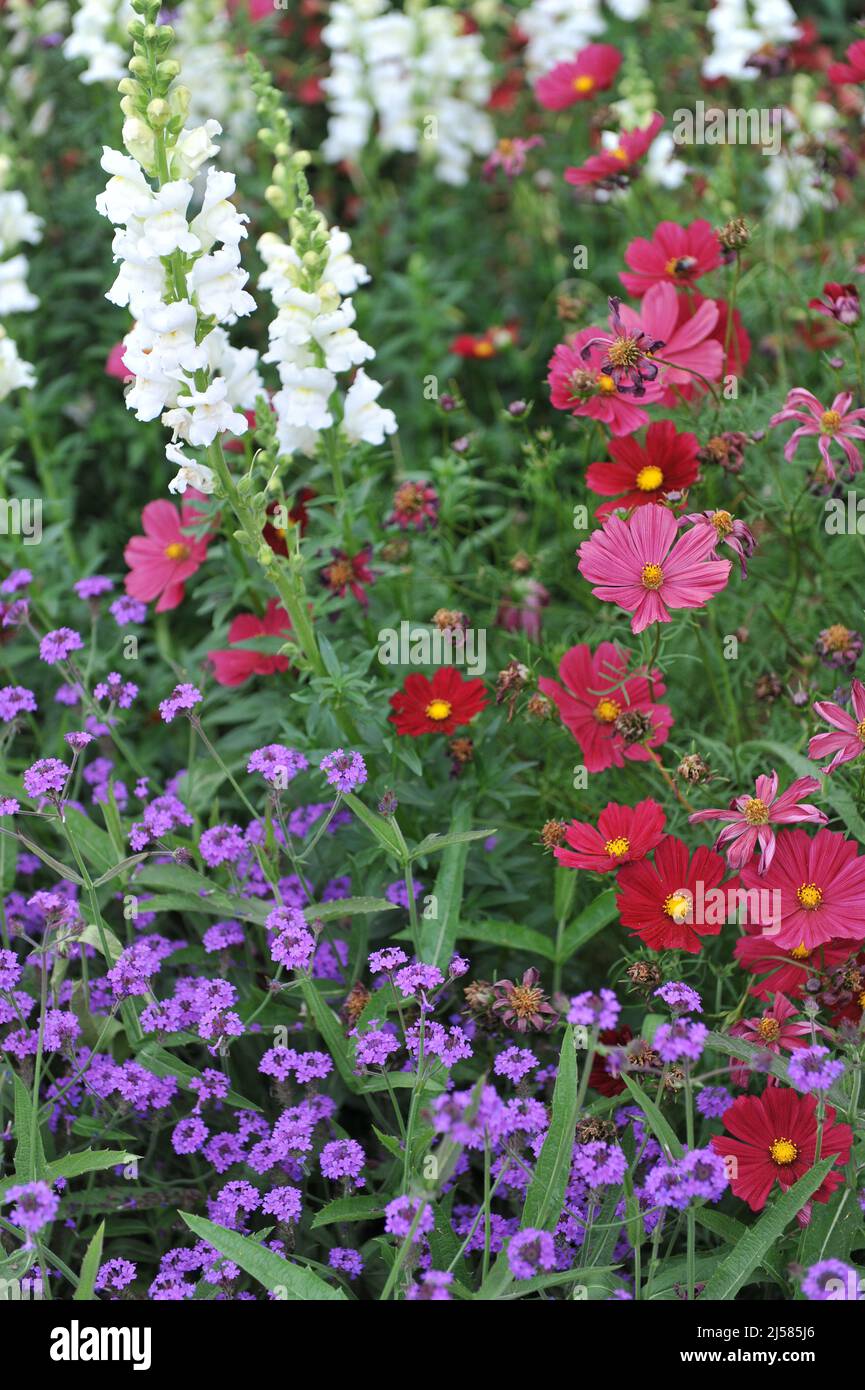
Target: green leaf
{"type": "Point", "coordinates": [383, 830]}
{"type": "Point", "coordinates": [663, 1132]}
{"type": "Point", "coordinates": [62, 869]}
{"type": "Point", "coordinates": [433, 843]}
{"type": "Point", "coordinates": [733, 1271]}
{"type": "Point", "coordinates": [438, 934]}
{"type": "Point", "coordinates": [512, 935]}
{"type": "Point", "coordinates": [349, 1209]}
{"type": "Point", "coordinates": [120, 868]}
{"type": "Point", "coordinates": [331, 1030]}
{"type": "Point", "coordinates": [294, 1281]}
{"type": "Point", "coordinates": [546, 1194]}
{"type": "Point", "coordinates": [72, 1166]}
{"type": "Point", "coordinates": [29, 1157]}
{"type": "Point", "coordinates": [600, 912]}
{"type": "Point", "coordinates": [93, 844]}
{"type": "Point", "coordinates": [732, 1231]}
{"type": "Point", "coordinates": [90, 1268]}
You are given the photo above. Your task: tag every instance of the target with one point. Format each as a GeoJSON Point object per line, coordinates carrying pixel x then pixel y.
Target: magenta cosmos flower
{"type": "Point", "coordinates": [837, 424]}
{"type": "Point", "coordinates": [623, 834]}
{"type": "Point", "coordinates": [579, 383]}
{"type": "Point", "coordinates": [848, 742]}
{"type": "Point", "coordinates": [751, 819]}
{"type": "Point", "coordinates": [597, 699]}
{"type": "Point", "coordinates": [688, 350]}
{"type": "Point", "coordinates": [675, 256]}
{"type": "Point", "coordinates": [812, 892]}
{"type": "Point", "coordinates": [641, 565]}
{"type": "Point", "coordinates": [773, 1031]}
{"type": "Point", "coordinates": [592, 71]}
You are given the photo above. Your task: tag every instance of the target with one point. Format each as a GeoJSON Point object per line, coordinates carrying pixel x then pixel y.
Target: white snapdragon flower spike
{"type": "Point", "coordinates": [193, 149]}
{"type": "Point", "coordinates": [217, 283]}
{"type": "Point", "coordinates": [15, 297]}
{"type": "Point", "coordinates": [166, 334]}
{"type": "Point", "coordinates": [202, 415]}
{"type": "Point", "coordinates": [341, 344]}
{"type": "Point", "coordinates": [15, 373]}
{"type": "Point", "coordinates": [190, 473]}
{"type": "Point", "coordinates": [291, 331]}
{"type": "Point", "coordinates": [98, 31]}
{"type": "Point", "coordinates": [342, 270]}
{"type": "Point", "coordinates": [412, 80]}
{"type": "Point", "coordinates": [364, 420]}
{"type": "Point", "coordinates": [127, 196]}
{"type": "Point", "coordinates": [140, 281]}
{"type": "Point", "coordinates": [164, 228]}
{"type": "Point", "coordinates": [305, 396]}
{"type": "Point", "coordinates": [795, 186]}
{"type": "Point", "coordinates": [17, 223]}
{"type": "Point", "coordinates": [739, 28]}
{"type": "Point", "coordinates": [219, 219]}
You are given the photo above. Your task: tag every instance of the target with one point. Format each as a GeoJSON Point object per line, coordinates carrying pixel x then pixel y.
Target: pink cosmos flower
{"type": "Point", "coordinates": [163, 558]}
{"type": "Point", "coordinates": [854, 69]}
{"type": "Point", "coordinates": [595, 697]}
{"type": "Point", "coordinates": [593, 70]}
{"type": "Point", "coordinates": [688, 345]}
{"type": "Point", "coordinates": [509, 155]}
{"type": "Point", "coordinates": [640, 565]}
{"type": "Point", "coordinates": [837, 423]}
{"type": "Point", "coordinates": [675, 256]}
{"type": "Point", "coordinates": [812, 892]}
{"type": "Point", "coordinates": [751, 819]}
{"type": "Point", "coordinates": [849, 741]}
{"type": "Point", "coordinates": [773, 1031]}
{"type": "Point", "coordinates": [613, 167]}
{"type": "Point", "coordinates": [579, 384]}
{"type": "Point", "coordinates": [239, 664]}
{"type": "Point", "coordinates": [623, 835]}
{"type": "Point", "coordinates": [728, 531]}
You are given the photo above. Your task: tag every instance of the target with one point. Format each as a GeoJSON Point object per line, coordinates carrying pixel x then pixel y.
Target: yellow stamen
{"type": "Point", "coordinates": [809, 895]}
{"type": "Point", "coordinates": [607, 711]}
{"type": "Point", "coordinates": [783, 1151]}
{"type": "Point", "coordinates": [484, 349]}
{"type": "Point", "coordinates": [651, 576]}
{"type": "Point", "coordinates": [649, 479]}
{"type": "Point", "coordinates": [616, 848]}
{"type": "Point", "coordinates": [438, 709]}
{"type": "Point", "coordinates": [677, 906]}
{"type": "Point", "coordinates": [722, 522]}
{"type": "Point", "coordinates": [624, 352]}
{"type": "Point", "coordinates": [583, 84]}
{"type": "Point", "coordinates": [800, 952]}
{"type": "Point", "coordinates": [756, 812]}
{"type": "Point", "coordinates": [769, 1029]}
{"type": "Point", "coordinates": [606, 385]}
{"type": "Point", "coordinates": [177, 550]}
{"type": "Point", "coordinates": [830, 421]}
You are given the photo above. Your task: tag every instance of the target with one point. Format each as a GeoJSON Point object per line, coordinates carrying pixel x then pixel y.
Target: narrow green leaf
{"type": "Point", "coordinates": [663, 1132]}
{"type": "Point", "coordinates": [163, 1063]}
{"type": "Point", "coordinates": [292, 1281]}
{"type": "Point", "coordinates": [381, 828]}
{"type": "Point", "coordinates": [546, 1193]}
{"type": "Point", "coordinates": [29, 1158]}
{"type": "Point", "coordinates": [331, 1030]}
{"type": "Point", "coordinates": [439, 933]}
{"type": "Point", "coordinates": [731, 1274]}
{"type": "Point", "coordinates": [512, 935]}
{"type": "Point", "coordinates": [349, 1209]}
{"type": "Point", "coordinates": [433, 843]}
{"type": "Point", "coordinates": [600, 912]}
{"type": "Point", "coordinates": [90, 1268]}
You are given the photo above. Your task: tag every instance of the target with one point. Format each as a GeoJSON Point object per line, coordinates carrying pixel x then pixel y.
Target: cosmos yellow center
{"type": "Point", "coordinates": [607, 711]}
{"type": "Point", "coordinates": [783, 1151]}
{"type": "Point", "coordinates": [860, 730]}
{"type": "Point", "coordinates": [619, 153]}
{"type": "Point", "coordinates": [651, 576]}
{"type": "Point", "coordinates": [756, 812]}
{"type": "Point", "coordinates": [616, 848]}
{"type": "Point", "coordinates": [525, 1001]}
{"type": "Point", "coordinates": [649, 479]}
{"type": "Point", "coordinates": [769, 1029]}
{"type": "Point", "coordinates": [809, 895]}
{"type": "Point", "coordinates": [722, 522]}
{"type": "Point", "coordinates": [484, 349]}
{"type": "Point", "coordinates": [177, 550]}
{"type": "Point", "coordinates": [624, 352]}
{"type": "Point", "coordinates": [606, 385]}
{"type": "Point", "coordinates": [438, 709]}
{"type": "Point", "coordinates": [836, 637]}
{"type": "Point", "coordinates": [677, 907]}
{"type": "Point", "coordinates": [583, 84]}
{"type": "Point", "coordinates": [830, 421]}
{"type": "Point", "coordinates": [800, 952]}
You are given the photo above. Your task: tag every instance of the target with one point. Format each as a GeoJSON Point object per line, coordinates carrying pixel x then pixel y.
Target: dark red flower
{"type": "Point", "coordinates": [349, 572]}
{"type": "Point", "coordinates": [274, 533]}
{"type": "Point", "coordinates": [775, 1137]}
{"type": "Point", "coordinates": [662, 902]}
{"type": "Point", "coordinates": [436, 706]}
{"type": "Point", "coordinates": [233, 667]}
{"type": "Point", "coordinates": [642, 473]}
{"type": "Point", "coordinates": [839, 302]}
{"type": "Point", "coordinates": [600, 1078]}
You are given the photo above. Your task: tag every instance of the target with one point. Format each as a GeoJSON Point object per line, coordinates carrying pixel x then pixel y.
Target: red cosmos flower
{"type": "Point", "coordinates": [593, 70]}
{"type": "Point", "coordinates": [776, 1138]}
{"type": "Point", "coordinates": [163, 558]}
{"type": "Point", "coordinates": [812, 892]}
{"type": "Point", "coordinates": [773, 1032]}
{"type": "Point", "coordinates": [784, 971]}
{"type": "Point", "coordinates": [235, 667]}
{"type": "Point", "coordinates": [594, 696]}
{"type": "Point", "coordinates": [675, 255]}
{"type": "Point", "coordinates": [298, 516]}
{"type": "Point", "coordinates": [642, 473]}
{"type": "Point", "coordinates": [854, 69]}
{"type": "Point", "coordinates": [660, 902]}
{"type": "Point", "coordinates": [613, 166]}
{"type": "Point", "coordinates": [840, 302]}
{"type": "Point", "coordinates": [600, 1078]}
{"type": "Point", "coordinates": [349, 572]}
{"type": "Point", "coordinates": [436, 706]}
{"type": "Point", "coordinates": [624, 835]}
{"type": "Point", "coordinates": [487, 344]}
